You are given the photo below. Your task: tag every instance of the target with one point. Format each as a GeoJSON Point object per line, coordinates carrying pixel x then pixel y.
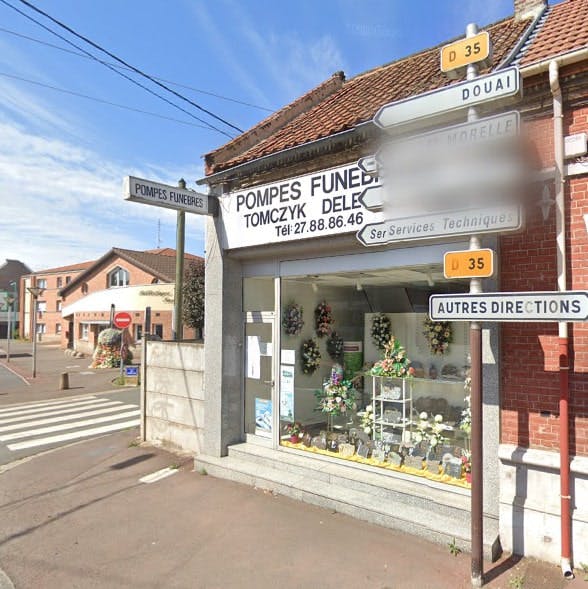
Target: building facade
{"type": "Point", "coordinates": [10, 273]}
{"type": "Point", "coordinates": [293, 300]}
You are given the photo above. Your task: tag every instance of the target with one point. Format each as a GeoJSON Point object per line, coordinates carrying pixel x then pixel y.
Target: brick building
{"type": "Point", "coordinates": [49, 303]}
{"type": "Point", "coordinates": [10, 273]}
{"type": "Point", "coordinates": [284, 244]}
{"type": "Point", "coordinates": [75, 304]}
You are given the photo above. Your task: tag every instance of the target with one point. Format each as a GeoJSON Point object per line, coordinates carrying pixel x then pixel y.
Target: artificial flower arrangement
{"type": "Point", "coordinates": [465, 423]}
{"type": "Point", "coordinates": [335, 346]}
{"type": "Point", "coordinates": [394, 363]}
{"type": "Point", "coordinates": [381, 330]}
{"type": "Point", "coordinates": [439, 335]}
{"type": "Point", "coordinates": [431, 433]}
{"type": "Point", "coordinates": [295, 431]}
{"type": "Point", "coordinates": [292, 320]}
{"type": "Point", "coordinates": [336, 397]}
{"type": "Point", "coordinates": [466, 465]}
{"type": "Point", "coordinates": [323, 319]}
{"type": "Point", "coordinates": [367, 418]}
{"type": "Point", "coordinates": [310, 356]}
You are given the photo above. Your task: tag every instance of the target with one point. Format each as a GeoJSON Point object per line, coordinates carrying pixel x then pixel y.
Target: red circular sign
{"type": "Point", "coordinates": [122, 320]}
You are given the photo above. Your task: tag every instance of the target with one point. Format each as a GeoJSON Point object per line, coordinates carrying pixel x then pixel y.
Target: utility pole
{"type": "Point", "coordinates": [178, 298]}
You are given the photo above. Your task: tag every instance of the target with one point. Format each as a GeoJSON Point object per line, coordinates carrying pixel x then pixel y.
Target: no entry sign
{"type": "Point", "coordinates": [122, 320]}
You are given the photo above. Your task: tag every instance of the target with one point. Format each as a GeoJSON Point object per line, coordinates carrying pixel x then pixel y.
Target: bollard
{"type": "Point", "coordinates": [64, 381]}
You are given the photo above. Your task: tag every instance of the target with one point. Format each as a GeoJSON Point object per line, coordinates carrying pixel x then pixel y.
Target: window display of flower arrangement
{"type": "Point", "coordinates": [337, 396]}
{"type": "Point", "coordinates": [323, 318]}
{"type": "Point", "coordinates": [395, 363]}
{"type": "Point", "coordinates": [438, 334]}
{"type": "Point", "coordinates": [292, 319]}
{"type": "Point", "coordinates": [381, 330]}
{"type": "Point", "coordinates": [295, 430]}
{"type": "Point", "coordinates": [310, 356]}
{"type": "Point", "coordinates": [335, 346]}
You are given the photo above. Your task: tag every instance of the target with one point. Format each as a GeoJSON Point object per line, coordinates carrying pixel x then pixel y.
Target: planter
{"type": "Point", "coordinates": [295, 439]}
{"type": "Point", "coordinates": [468, 477]}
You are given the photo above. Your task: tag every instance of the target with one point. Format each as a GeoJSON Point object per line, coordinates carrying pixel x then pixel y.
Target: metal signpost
{"type": "Point", "coordinates": [9, 302]}
{"type": "Point", "coordinates": [445, 104]}
{"type": "Point", "coordinates": [36, 292]}
{"type": "Point", "coordinates": [122, 320]}
{"type": "Point", "coordinates": [171, 197]}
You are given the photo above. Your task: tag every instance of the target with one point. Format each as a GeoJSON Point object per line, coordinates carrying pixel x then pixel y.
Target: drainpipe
{"type": "Point", "coordinates": [564, 434]}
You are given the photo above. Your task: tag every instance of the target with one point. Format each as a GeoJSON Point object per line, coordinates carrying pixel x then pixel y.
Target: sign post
{"type": "Point", "coordinates": [122, 320]}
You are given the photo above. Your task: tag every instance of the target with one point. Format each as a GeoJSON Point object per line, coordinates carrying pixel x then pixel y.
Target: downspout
{"type": "Point", "coordinates": [564, 433]}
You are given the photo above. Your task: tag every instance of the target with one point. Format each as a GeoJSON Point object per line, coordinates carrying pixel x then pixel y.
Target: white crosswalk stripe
{"type": "Point", "coordinates": [54, 422]}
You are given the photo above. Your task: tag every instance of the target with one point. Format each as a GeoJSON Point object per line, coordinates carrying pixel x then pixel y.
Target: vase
{"type": "Point", "coordinates": [294, 439]}
{"type": "Point", "coordinates": [468, 477]}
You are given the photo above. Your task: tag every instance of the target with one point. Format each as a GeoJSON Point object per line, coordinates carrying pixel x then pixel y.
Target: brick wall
{"type": "Point", "coordinates": [530, 375]}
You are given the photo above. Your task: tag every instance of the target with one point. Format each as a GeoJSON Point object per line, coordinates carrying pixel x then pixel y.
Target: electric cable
{"type": "Point", "coordinates": [186, 86]}
{"type": "Point", "coordinates": [136, 70]}
{"type": "Point", "coordinates": [102, 101]}
{"type": "Point", "coordinates": [116, 71]}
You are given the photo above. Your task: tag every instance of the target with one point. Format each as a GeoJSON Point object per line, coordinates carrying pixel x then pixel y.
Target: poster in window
{"type": "Point", "coordinates": [263, 417]}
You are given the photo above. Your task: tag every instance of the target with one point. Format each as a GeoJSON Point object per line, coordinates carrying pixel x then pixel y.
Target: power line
{"type": "Point", "coordinates": [116, 71]}
{"type": "Point", "coordinates": [136, 70]}
{"type": "Point", "coordinates": [102, 101]}
{"type": "Point", "coordinates": [78, 54]}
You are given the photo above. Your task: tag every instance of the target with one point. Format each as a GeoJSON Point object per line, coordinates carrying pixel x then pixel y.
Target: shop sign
{"type": "Point", "coordinates": [469, 264]}
{"type": "Point", "coordinates": [492, 87]}
{"type": "Point", "coordinates": [164, 195]}
{"type": "Point", "coordinates": [313, 205]}
{"type": "Point", "coordinates": [443, 224]}
{"type": "Point", "coordinates": [475, 49]}
{"type": "Point", "coordinates": [510, 306]}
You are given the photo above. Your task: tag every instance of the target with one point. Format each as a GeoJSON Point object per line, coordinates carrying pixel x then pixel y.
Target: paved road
{"type": "Point", "coordinates": [29, 428]}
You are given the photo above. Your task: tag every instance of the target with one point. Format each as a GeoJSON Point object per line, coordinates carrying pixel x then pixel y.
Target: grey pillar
{"type": "Point", "coordinates": [223, 326]}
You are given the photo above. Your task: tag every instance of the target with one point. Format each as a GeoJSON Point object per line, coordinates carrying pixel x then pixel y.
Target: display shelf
{"type": "Point", "coordinates": [403, 405]}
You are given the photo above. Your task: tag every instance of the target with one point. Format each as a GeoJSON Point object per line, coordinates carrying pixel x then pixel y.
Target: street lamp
{"type": "Point", "coordinates": [36, 292]}
{"type": "Point", "coordinates": [9, 300]}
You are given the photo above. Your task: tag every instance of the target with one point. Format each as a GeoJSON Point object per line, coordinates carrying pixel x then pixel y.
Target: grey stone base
{"type": "Point", "coordinates": [428, 509]}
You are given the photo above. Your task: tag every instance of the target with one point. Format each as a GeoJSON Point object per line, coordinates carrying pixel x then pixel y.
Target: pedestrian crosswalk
{"type": "Point", "coordinates": [52, 423]}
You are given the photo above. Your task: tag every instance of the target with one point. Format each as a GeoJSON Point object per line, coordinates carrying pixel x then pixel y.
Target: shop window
{"type": "Point", "coordinates": [59, 282]}
{"type": "Point", "coordinates": [335, 329]}
{"type": "Point", "coordinates": [118, 277]}
{"type": "Point", "coordinates": [258, 294]}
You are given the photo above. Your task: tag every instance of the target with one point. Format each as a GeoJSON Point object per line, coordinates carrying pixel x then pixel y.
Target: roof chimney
{"type": "Point", "coordinates": [524, 9]}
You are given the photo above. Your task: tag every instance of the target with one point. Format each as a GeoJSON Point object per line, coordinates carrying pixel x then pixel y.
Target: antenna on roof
{"type": "Point", "coordinates": [158, 241]}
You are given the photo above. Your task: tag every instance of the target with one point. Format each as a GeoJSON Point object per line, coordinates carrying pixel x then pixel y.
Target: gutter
{"type": "Point", "coordinates": [562, 60]}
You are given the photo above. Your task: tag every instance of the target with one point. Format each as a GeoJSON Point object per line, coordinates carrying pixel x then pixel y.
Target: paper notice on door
{"type": "Point", "coordinates": [253, 357]}
{"type": "Point", "coordinates": [287, 392]}
{"type": "Point", "coordinates": [288, 357]}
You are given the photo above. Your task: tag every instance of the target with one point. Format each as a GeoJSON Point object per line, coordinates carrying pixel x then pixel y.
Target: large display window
{"type": "Point", "coordinates": [365, 376]}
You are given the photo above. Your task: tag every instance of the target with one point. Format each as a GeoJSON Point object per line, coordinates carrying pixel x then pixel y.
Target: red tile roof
{"type": "Point", "coordinates": [71, 268]}
{"type": "Point", "coordinates": [359, 98]}
{"type": "Point", "coordinates": [565, 30]}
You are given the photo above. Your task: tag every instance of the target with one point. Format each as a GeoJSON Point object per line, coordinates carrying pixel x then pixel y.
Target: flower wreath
{"type": "Point", "coordinates": [323, 319]}
{"type": "Point", "coordinates": [381, 330]}
{"type": "Point", "coordinates": [310, 356]}
{"type": "Point", "coordinates": [438, 335]}
{"type": "Point", "coordinates": [336, 397]}
{"type": "Point", "coordinates": [335, 346]}
{"type": "Point", "coordinates": [292, 320]}
{"type": "Point", "coordinates": [394, 363]}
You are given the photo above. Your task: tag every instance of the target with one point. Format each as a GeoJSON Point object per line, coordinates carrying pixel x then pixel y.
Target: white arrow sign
{"type": "Point", "coordinates": [498, 85]}
{"type": "Point", "coordinates": [511, 306]}
{"type": "Point", "coordinates": [372, 198]}
{"type": "Point", "coordinates": [449, 223]}
{"type": "Point", "coordinates": [368, 164]}
{"type": "Point", "coordinates": [164, 195]}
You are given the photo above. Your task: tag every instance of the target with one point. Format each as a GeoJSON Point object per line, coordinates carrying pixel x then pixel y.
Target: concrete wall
{"type": "Point", "coordinates": [530, 503]}
{"type": "Point", "coordinates": [173, 395]}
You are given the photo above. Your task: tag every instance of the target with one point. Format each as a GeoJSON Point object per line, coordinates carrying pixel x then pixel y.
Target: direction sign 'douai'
{"type": "Point", "coordinates": [511, 306]}
{"type": "Point", "coordinates": [496, 86]}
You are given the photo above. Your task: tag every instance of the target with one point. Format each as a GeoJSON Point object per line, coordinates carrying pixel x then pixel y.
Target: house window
{"type": "Point", "coordinates": [42, 283]}
{"type": "Point", "coordinates": [118, 277]}
{"type": "Point", "coordinates": [58, 328]}
{"type": "Point", "coordinates": [59, 282]}
{"type": "Point", "coordinates": [59, 305]}
{"type": "Point", "coordinates": [85, 288]}
{"type": "Point", "coordinates": [67, 279]}
{"type": "Point", "coordinates": [42, 307]}
{"type": "Point", "coordinates": [138, 332]}
{"type": "Point", "coordinates": [40, 328]}
{"type": "Point", "coordinates": [84, 331]}
{"type": "Point", "coordinates": [158, 330]}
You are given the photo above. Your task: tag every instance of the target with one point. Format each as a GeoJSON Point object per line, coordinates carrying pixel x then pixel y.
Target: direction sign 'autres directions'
{"type": "Point", "coordinates": [492, 87]}
{"type": "Point", "coordinates": [511, 307]}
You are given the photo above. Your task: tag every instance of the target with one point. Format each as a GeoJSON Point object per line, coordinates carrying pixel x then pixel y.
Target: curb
{"type": "Point", "coordinates": [5, 582]}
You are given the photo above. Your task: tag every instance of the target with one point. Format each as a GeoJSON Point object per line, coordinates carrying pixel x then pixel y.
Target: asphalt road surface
{"type": "Point", "coordinates": [29, 428]}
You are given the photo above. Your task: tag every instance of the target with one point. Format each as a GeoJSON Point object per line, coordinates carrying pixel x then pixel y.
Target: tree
{"type": "Point", "coordinates": [193, 312]}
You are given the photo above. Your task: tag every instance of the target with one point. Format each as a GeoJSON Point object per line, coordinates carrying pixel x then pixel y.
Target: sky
{"type": "Point", "coordinates": [63, 157]}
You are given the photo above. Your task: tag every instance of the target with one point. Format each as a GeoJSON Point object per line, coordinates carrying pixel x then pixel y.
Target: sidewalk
{"type": "Point", "coordinates": [84, 520]}
{"type": "Point", "coordinates": [51, 362]}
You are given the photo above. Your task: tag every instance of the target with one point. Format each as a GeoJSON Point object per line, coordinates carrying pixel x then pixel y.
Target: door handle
{"type": "Point", "coordinates": [270, 382]}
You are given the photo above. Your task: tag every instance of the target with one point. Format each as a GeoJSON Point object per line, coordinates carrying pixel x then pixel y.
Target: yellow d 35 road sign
{"type": "Point", "coordinates": [458, 55]}
{"type": "Point", "coordinates": [469, 264]}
